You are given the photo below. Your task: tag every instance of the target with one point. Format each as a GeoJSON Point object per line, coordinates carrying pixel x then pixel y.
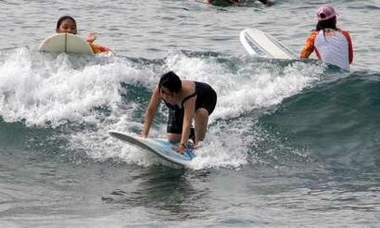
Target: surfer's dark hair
{"type": "Point", "coordinates": [61, 19]}
{"type": "Point", "coordinates": [329, 23]}
{"type": "Point", "coordinates": [171, 81]}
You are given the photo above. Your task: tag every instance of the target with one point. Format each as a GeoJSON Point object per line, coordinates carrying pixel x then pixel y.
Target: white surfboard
{"type": "Point", "coordinates": [66, 42]}
{"type": "Point", "coordinates": [261, 44]}
{"type": "Point", "coordinates": [159, 147]}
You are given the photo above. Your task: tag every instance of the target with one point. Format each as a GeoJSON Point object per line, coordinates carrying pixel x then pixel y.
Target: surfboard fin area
{"type": "Point", "coordinates": [159, 147]}
{"type": "Point", "coordinates": [66, 42]}
{"type": "Point", "coordinates": [261, 44]}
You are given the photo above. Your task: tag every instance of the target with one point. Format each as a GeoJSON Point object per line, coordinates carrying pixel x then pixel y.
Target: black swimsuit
{"type": "Point", "coordinates": [206, 98]}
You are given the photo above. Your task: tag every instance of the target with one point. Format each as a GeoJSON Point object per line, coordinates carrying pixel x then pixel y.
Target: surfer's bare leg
{"type": "Point", "coordinates": [200, 124]}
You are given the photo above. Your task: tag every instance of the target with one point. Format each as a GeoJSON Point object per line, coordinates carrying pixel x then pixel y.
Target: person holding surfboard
{"type": "Point", "coordinates": [187, 101]}
{"type": "Point", "coordinates": [331, 44]}
{"type": "Point", "coordinates": [67, 24]}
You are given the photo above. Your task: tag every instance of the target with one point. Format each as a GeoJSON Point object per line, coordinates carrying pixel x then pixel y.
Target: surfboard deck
{"type": "Point", "coordinates": [159, 147]}
{"type": "Point", "coordinates": [262, 44]}
{"type": "Point", "coordinates": [65, 42]}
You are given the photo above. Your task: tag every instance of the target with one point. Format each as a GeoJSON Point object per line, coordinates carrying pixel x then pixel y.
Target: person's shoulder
{"type": "Point", "coordinates": [346, 34]}
{"type": "Point", "coordinates": [343, 30]}
{"type": "Point", "coordinates": [313, 33]}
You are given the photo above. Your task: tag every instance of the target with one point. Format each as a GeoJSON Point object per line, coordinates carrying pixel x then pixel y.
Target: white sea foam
{"type": "Point", "coordinates": [44, 91]}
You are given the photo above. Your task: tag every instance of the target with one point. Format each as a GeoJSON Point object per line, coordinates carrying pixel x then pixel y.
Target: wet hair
{"type": "Point", "coordinates": [171, 81]}
{"type": "Point", "coordinates": [60, 20]}
{"type": "Point", "coordinates": [329, 23]}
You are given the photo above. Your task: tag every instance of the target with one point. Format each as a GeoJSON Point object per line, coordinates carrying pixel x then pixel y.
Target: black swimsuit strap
{"type": "Point", "coordinates": [188, 97]}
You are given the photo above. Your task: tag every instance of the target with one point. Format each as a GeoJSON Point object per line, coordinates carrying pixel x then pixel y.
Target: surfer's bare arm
{"type": "Point", "coordinates": [189, 109]}
{"type": "Point", "coordinates": [150, 112]}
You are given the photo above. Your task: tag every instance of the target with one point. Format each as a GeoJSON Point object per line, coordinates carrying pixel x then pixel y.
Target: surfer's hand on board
{"type": "Point", "coordinates": [180, 148]}
{"type": "Point", "coordinates": [91, 37]}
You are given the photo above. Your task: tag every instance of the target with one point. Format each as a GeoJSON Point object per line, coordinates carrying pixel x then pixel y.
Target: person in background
{"type": "Point", "coordinates": [331, 44]}
{"type": "Point", "coordinates": [67, 24]}
{"type": "Point", "coordinates": [265, 2]}
{"type": "Point", "coordinates": [187, 101]}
